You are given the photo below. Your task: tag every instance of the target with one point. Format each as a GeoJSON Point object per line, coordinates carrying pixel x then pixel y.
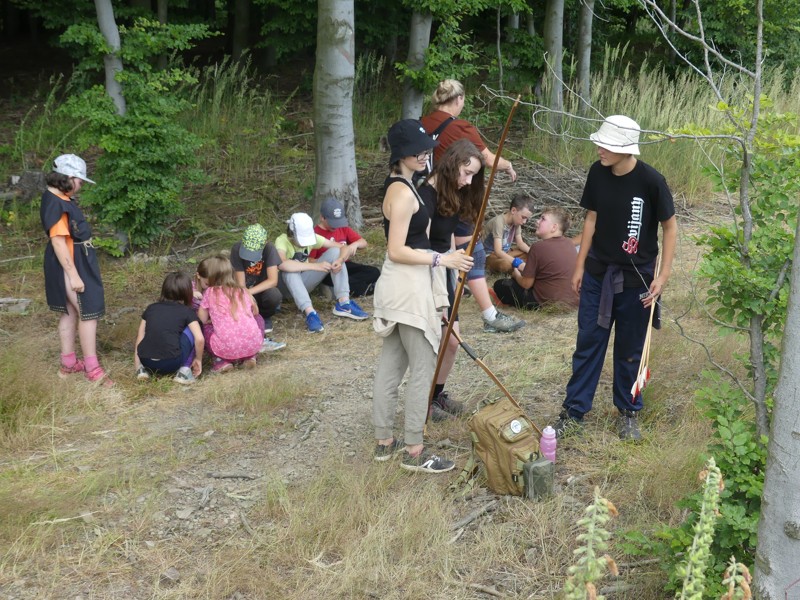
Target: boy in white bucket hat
{"type": "Point", "coordinates": [625, 200]}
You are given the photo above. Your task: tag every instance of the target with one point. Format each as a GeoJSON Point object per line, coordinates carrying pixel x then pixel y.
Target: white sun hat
{"type": "Point", "coordinates": [71, 166]}
{"type": "Point", "coordinates": [619, 134]}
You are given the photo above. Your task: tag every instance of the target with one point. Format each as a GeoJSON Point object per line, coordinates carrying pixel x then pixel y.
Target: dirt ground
{"type": "Point", "coordinates": [184, 467]}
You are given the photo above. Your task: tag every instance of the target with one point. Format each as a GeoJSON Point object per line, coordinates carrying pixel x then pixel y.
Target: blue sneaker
{"type": "Point", "coordinates": [350, 309]}
{"type": "Point", "coordinates": [313, 322]}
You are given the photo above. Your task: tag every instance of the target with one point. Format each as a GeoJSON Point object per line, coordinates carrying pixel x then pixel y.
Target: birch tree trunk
{"type": "Point", "coordinates": [554, 49]}
{"type": "Point", "coordinates": [777, 565]}
{"type": "Point", "coordinates": [334, 77]}
{"type": "Point", "coordinates": [418, 42]}
{"type": "Point", "coordinates": [585, 55]}
{"type": "Point", "coordinates": [113, 63]}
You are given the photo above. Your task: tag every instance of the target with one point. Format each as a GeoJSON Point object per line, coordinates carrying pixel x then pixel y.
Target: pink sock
{"type": "Point", "coordinates": [90, 363]}
{"type": "Point", "coordinates": [68, 360]}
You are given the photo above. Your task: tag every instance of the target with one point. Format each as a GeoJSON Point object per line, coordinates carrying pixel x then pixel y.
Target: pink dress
{"type": "Point", "coordinates": [229, 338]}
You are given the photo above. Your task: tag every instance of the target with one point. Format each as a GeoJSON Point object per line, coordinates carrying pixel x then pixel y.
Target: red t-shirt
{"type": "Point", "coordinates": [340, 235]}
{"type": "Point", "coordinates": [455, 130]}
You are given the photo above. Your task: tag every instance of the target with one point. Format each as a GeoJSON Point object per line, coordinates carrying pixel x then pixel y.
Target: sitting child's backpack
{"type": "Point", "coordinates": [505, 439]}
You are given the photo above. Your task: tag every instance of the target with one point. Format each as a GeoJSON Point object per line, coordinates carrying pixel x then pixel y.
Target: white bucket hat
{"type": "Point", "coordinates": [301, 225]}
{"type": "Point", "coordinates": [71, 166]}
{"type": "Point", "coordinates": [619, 134]}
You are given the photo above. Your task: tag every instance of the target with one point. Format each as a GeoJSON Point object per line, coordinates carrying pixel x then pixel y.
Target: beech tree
{"type": "Point", "coordinates": [334, 75]}
{"type": "Point", "coordinates": [584, 54]}
{"type": "Point", "coordinates": [112, 60]}
{"type": "Point", "coordinates": [554, 50]}
{"type": "Point", "coordinates": [779, 528]}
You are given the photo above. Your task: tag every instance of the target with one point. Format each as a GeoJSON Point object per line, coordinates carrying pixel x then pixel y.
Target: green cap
{"type": "Point", "coordinates": [253, 242]}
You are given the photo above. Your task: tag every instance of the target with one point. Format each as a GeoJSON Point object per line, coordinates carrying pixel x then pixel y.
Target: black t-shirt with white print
{"type": "Point", "coordinates": [629, 208]}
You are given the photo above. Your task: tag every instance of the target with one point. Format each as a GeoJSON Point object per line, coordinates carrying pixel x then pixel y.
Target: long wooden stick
{"type": "Point", "coordinates": [471, 353]}
{"type": "Point", "coordinates": [474, 240]}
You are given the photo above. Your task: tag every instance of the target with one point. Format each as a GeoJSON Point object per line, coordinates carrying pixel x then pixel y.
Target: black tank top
{"type": "Point", "coordinates": [417, 236]}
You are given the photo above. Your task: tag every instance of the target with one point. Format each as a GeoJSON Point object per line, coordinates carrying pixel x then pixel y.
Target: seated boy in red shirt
{"type": "Point", "coordinates": [333, 226]}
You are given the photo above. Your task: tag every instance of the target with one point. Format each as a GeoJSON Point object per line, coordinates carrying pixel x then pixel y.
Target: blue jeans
{"type": "Point", "coordinates": [629, 320]}
{"type": "Point", "coordinates": [167, 366]}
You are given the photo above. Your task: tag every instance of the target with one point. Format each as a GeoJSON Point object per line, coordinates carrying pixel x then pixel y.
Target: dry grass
{"type": "Point", "coordinates": [328, 523]}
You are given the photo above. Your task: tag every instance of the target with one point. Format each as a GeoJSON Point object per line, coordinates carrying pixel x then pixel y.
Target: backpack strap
{"type": "Point", "coordinates": [442, 126]}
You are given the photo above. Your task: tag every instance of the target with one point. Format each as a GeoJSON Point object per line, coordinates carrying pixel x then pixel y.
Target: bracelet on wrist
{"type": "Point", "coordinates": [437, 258]}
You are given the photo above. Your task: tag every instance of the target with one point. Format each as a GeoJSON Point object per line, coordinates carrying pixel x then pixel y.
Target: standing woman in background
{"type": "Point", "coordinates": [408, 296]}
{"type": "Point", "coordinates": [448, 102]}
{"type": "Point", "coordinates": [71, 272]}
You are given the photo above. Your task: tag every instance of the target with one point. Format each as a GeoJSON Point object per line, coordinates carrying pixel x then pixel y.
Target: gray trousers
{"type": "Point", "coordinates": [298, 285]}
{"type": "Point", "coordinates": [404, 348]}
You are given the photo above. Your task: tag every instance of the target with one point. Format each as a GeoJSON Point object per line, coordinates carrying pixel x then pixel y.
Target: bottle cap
{"type": "Point", "coordinates": [548, 431]}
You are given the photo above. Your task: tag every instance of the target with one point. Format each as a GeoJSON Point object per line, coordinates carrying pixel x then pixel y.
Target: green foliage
{"type": "Point", "coordinates": [289, 26]}
{"type": "Point", "coordinates": [735, 449]}
{"type": "Point", "coordinates": [592, 564]}
{"type": "Point", "coordinates": [146, 153]}
{"type": "Point", "coordinates": [693, 570]}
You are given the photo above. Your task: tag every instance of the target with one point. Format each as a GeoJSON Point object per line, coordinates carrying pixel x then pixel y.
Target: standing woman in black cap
{"type": "Point", "coordinates": [71, 272]}
{"type": "Point", "coordinates": [409, 296]}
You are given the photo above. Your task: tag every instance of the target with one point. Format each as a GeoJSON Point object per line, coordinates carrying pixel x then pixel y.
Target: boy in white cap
{"type": "Point", "coordinates": [333, 225]}
{"type": "Point", "coordinates": [625, 199]}
{"type": "Point", "coordinates": [299, 275]}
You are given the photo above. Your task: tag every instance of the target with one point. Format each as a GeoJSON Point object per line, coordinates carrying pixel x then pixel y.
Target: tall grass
{"type": "Point", "coordinates": [238, 116]}
{"type": "Point", "coordinates": [659, 101]}
{"type": "Point", "coordinates": [376, 100]}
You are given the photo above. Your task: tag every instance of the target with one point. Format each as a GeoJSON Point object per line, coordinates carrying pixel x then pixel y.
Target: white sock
{"type": "Point", "coordinates": [489, 314]}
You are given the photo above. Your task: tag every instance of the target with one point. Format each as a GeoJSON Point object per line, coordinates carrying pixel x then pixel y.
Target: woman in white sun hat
{"type": "Point", "coordinates": [625, 200]}
{"type": "Point", "coordinates": [71, 272]}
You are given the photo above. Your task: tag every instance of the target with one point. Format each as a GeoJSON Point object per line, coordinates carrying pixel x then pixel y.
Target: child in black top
{"type": "Point", "coordinates": [170, 339]}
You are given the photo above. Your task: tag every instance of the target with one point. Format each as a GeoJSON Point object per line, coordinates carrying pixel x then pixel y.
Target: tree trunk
{"type": "Point", "coordinates": [418, 42]}
{"type": "Point", "coordinates": [776, 565]}
{"type": "Point", "coordinates": [334, 137]}
{"type": "Point", "coordinates": [585, 55]}
{"type": "Point", "coordinates": [530, 24]}
{"type": "Point", "coordinates": [241, 28]}
{"type": "Point", "coordinates": [162, 9]}
{"type": "Point", "coordinates": [113, 63]}
{"type": "Point", "coordinates": [554, 49]}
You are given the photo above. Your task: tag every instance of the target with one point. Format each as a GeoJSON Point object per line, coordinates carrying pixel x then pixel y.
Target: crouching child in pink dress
{"type": "Point", "coordinates": [232, 326]}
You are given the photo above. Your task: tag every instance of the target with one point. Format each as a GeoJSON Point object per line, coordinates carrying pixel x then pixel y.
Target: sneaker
{"type": "Point", "coordinates": [350, 309]}
{"type": "Point", "coordinates": [425, 462]}
{"type": "Point", "coordinates": [142, 374]}
{"type": "Point", "coordinates": [267, 325]}
{"type": "Point", "coordinates": [184, 376]}
{"type": "Point", "coordinates": [65, 372]}
{"type": "Point", "coordinates": [567, 425]}
{"type": "Point", "coordinates": [447, 404]}
{"type": "Point", "coordinates": [249, 363]}
{"type": "Point", "coordinates": [383, 453]}
{"type": "Point", "coordinates": [221, 366]}
{"type": "Point", "coordinates": [628, 426]}
{"type": "Point", "coordinates": [503, 323]}
{"type": "Point", "coordinates": [313, 322]}
{"type": "Point", "coordinates": [270, 345]}
{"type": "Point", "coordinates": [438, 414]}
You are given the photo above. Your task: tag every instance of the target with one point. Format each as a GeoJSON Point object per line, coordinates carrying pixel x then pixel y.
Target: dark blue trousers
{"type": "Point", "coordinates": [167, 366]}
{"type": "Point", "coordinates": [629, 320]}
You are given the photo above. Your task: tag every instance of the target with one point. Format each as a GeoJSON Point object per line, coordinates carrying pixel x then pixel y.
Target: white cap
{"type": "Point", "coordinates": [71, 166]}
{"type": "Point", "coordinates": [302, 227]}
{"type": "Point", "coordinates": [619, 134]}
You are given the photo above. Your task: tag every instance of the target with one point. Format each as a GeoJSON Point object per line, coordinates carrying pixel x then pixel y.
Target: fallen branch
{"type": "Point", "coordinates": [223, 475]}
{"type": "Point", "coordinates": [8, 260]}
{"type": "Point", "coordinates": [246, 524]}
{"type": "Point", "coordinates": [474, 515]}
{"type": "Point", "coordinates": [484, 589]}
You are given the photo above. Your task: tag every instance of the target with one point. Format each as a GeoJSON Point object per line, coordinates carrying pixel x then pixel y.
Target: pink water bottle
{"type": "Point", "coordinates": [547, 444]}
